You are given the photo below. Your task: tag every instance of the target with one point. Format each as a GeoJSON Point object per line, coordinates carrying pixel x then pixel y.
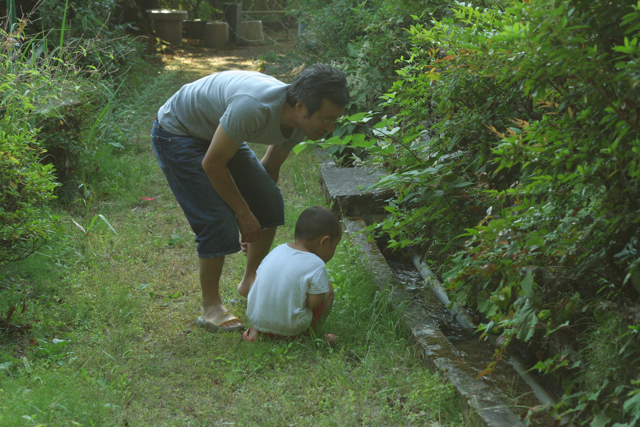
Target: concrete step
{"type": "Point", "coordinates": [349, 191]}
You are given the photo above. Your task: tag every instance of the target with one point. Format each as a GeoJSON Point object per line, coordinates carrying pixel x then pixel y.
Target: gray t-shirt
{"type": "Point", "coordinates": [247, 104]}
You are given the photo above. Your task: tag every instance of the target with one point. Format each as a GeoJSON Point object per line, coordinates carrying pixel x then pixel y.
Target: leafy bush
{"type": "Point", "coordinates": [367, 41]}
{"type": "Point", "coordinates": [44, 97]}
{"type": "Point", "coordinates": [512, 135]}
{"type": "Point", "coordinates": [93, 31]}
{"type": "Point", "coordinates": [96, 54]}
{"type": "Point", "coordinates": [25, 183]}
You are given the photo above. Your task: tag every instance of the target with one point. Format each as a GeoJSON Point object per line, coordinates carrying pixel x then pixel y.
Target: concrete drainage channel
{"type": "Point", "coordinates": [446, 339]}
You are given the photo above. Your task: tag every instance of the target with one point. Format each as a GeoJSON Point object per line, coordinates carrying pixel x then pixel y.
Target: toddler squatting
{"type": "Point", "coordinates": [292, 292]}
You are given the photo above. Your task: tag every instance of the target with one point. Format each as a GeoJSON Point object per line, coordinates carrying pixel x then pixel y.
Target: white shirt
{"type": "Point", "coordinates": [277, 302]}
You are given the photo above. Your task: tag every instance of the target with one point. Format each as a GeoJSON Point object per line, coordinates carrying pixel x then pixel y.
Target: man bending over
{"type": "Point", "coordinates": [200, 139]}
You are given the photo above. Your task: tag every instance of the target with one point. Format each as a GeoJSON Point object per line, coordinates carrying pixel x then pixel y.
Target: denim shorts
{"type": "Point", "coordinates": [211, 219]}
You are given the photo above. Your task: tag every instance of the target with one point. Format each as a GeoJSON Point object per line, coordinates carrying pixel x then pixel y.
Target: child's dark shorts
{"type": "Point", "coordinates": [211, 219]}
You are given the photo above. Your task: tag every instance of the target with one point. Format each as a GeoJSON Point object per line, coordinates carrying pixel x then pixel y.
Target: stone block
{"type": "Point", "coordinates": [167, 24]}
{"type": "Point", "coordinates": [251, 32]}
{"type": "Point", "coordinates": [216, 34]}
{"type": "Point", "coordinates": [349, 192]}
{"type": "Point", "coordinates": [195, 28]}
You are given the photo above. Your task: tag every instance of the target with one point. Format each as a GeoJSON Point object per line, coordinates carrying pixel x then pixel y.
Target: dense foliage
{"type": "Point", "coordinates": [96, 31]}
{"type": "Point", "coordinates": [57, 89]}
{"type": "Point", "coordinates": [29, 91]}
{"type": "Point", "coordinates": [512, 133]}
{"type": "Point", "coordinates": [367, 37]}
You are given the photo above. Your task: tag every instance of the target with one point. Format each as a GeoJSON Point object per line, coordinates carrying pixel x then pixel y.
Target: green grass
{"type": "Point", "coordinates": [113, 339]}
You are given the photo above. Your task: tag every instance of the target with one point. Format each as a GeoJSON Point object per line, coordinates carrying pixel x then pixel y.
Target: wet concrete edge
{"type": "Point", "coordinates": [436, 350]}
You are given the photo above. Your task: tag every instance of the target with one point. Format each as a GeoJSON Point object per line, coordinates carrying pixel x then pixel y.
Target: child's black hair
{"type": "Point", "coordinates": [317, 221]}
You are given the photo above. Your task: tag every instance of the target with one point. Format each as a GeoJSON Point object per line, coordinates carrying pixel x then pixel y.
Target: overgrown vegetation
{"type": "Point", "coordinates": [113, 339]}
{"type": "Point", "coordinates": [97, 325]}
{"type": "Point", "coordinates": [511, 133]}
{"type": "Point", "coordinates": [59, 85]}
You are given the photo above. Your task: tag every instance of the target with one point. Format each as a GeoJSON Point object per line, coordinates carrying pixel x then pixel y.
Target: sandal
{"type": "Point", "coordinates": [212, 325]}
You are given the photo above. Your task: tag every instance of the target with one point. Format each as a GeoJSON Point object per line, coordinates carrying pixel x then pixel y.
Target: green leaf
{"type": "Point", "coordinates": [364, 144]}
{"type": "Point", "coordinates": [490, 236]}
{"type": "Point", "coordinates": [299, 147]}
{"type": "Point", "coordinates": [485, 305]}
{"type": "Point", "coordinates": [357, 117]}
{"type": "Point", "coordinates": [600, 419]}
{"type": "Point", "coordinates": [462, 184]}
{"type": "Point", "coordinates": [540, 366]}
{"type": "Point", "coordinates": [527, 284]}
{"type": "Point", "coordinates": [525, 320]}
{"type": "Point", "coordinates": [102, 217]}
{"type": "Point", "coordinates": [594, 396]}
{"type": "Point", "coordinates": [353, 50]}
{"type": "Point", "coordinates": [632, 406]}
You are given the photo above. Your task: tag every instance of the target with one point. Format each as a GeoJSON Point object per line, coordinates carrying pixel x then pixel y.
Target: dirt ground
{"type": "Point", "coordinates": [273, 56]}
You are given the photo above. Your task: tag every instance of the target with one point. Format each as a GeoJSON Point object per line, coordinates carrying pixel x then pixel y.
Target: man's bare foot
{"type": "Point", "coordinates": [211, 312]}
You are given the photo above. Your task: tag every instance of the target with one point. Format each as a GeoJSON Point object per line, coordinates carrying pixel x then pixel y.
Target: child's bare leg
{"type": "Point", "coordinates": [256, 251]}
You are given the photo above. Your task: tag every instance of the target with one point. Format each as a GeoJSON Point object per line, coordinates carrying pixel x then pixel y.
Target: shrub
{"type": "Point", "coordinates": [365, 39]}
{"type": "Point", "coordinates": [93, 32]}
{"type": "Point", "coordinates": [512, 135]}
{"type": "Point", "coordinates": [25, 183]}
{"type": "Point", "coordinates": [42, 92]}
{"type": "Point", "coordinates": [95, 54]}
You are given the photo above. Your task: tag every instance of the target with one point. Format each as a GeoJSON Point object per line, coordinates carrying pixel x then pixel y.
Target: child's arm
{"type": "Point", "coordinates": [315, 300]}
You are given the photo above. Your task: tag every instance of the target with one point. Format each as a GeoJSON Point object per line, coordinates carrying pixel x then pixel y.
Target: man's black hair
{"type": "Point", "coordinates": [316, 82]}
{"type": "Point", "coordinates": [317, 221]}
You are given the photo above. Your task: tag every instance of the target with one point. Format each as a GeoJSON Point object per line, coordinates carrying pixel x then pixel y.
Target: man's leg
{"type": "Point", "coordinates": [256, 252]}
{"type": "Point", "coordinates": [210, 272]}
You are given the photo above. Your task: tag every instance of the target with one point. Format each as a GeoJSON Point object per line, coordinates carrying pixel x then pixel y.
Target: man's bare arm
{"type": "Point", "coordinates": [273, 160]}
{"type": "Point", "coordinates": [221, 150]}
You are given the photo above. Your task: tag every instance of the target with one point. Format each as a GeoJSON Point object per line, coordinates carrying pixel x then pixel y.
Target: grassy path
{"type": "Point", "coordinates": [114, 340]}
